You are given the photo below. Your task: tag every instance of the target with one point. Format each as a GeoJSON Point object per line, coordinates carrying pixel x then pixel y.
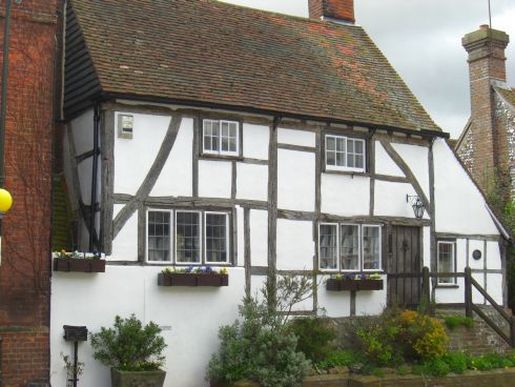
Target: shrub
{"type": "Point", "coordinates": [129, 346]}
{"type": "Point", "coordinates": [260, 347]}
{"type": "Point", "coordinates": [340, 359]}
{"type": "Point", "coordinates": [314, 337]}
{"type": "Point", "coordinates": [453, 322]}
{"type": "Point", "coordinates": [421, 336]}
{"type": "Point", "coordinates": [457, 361]}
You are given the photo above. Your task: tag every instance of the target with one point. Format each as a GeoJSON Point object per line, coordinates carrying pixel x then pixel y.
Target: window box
{"type": "Point", "coordinates": [80, 265]}
{"type": "Point", "coordinates": [370, 284]}
{"type": "Point", "coordinates": [338, 285]}
{"type": "Point", "coordinates": [192, 279]}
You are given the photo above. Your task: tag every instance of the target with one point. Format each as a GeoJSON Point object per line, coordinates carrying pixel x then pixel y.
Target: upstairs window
{"type": "Point", "coordinates": [220, 137]}
{"type": "Point", "coordinates": [344, 153]}
{"type": "Point", "coordinates": [349, 247]}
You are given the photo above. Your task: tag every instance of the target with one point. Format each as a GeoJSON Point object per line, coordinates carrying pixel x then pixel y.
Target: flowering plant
{"type": "Point", "coordinates": [76, 254]}
{"type": "Point", "coordinates": [193, 270]}
{"type": "Point", "coordinates": [356, 276]}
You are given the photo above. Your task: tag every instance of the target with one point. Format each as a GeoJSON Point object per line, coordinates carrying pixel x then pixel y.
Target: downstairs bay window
{"type": "Point", "coordinates": [187, 237]}
{"type": "Point", "coordinates": [349, 247]}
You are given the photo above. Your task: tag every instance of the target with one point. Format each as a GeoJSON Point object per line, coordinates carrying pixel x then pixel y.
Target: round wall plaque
{"type": "Point", "coordinates": [476, 254]}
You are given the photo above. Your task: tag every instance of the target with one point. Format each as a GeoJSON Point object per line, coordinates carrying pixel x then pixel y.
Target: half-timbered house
{"type": "Point", "coordinates": [201, 133]}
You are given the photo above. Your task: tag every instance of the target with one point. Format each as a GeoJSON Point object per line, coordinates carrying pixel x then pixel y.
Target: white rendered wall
{"type": "Point", "coordinates": [345, 195]}
{"type": "Point", "coordinates": [258, 238]}
{"type": "Point", "coordinates": [460, 208]}
{"type": "Point", "coordinates": [296, 180]}
{"type": "Point", "coordinates": [176, 177]}
{"type": "Point", "coordinates": [240, 236]}
{"type": "Point", "coordinates": [252, 182]}
{"type": "Point", "coordinates": [194, 315]}
{"type": "Point", "coordinates": [384, 165]}
{"type": "Point", "coordinates": [371, 302]}
{"type": "Point", "coordinates": [125, 247]}
{"type": "Point", "coordinates": [295, 246]}
{"type": "Point", "coordinates": [214, 178]}
{"type": "Point", "coordinates": [418, 161]}
{"type": "Point", "coordinates": [296, 137]}
{"type": "Point", "coordinates": [255, 141]}
{"type": "Point", "coordinates": [134, 157]}
{"type": "Point", "coordinates": [390, 199]}
{"type": "Point", "coordinates": [332, 304]}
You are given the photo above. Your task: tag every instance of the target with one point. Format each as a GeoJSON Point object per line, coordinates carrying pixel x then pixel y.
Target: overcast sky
{"type": "Point", "coordinates": [422, 40]}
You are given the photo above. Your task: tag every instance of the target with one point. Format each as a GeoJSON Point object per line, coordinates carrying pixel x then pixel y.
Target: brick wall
{"type": "Point", "coordinates": [25, 267]}
{"type": "Point", "coordinates": [484, 150]}
{"type": "Point", "coordinates": [335, 9]}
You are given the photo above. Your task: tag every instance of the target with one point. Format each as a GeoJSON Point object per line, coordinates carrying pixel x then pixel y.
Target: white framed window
{"type": "Point", "coordinates": [220, 137]}
{"type": "Point", "coordinates": [371, 247]}
{"type": "Point", "coordinates": [328, 246]}
{"type": "Point", "coordinates": [158, 236]}
{"type": "Point", "coordinates": [216, 237]}
{"type": "Point", "coordinates": [446, 261]}
{"type": "Point", "coordinates": [349, 247]}
{"type": "Point", "coordinates": [345, 153]}
{"type": "Point", "coordinates": [188, 237]}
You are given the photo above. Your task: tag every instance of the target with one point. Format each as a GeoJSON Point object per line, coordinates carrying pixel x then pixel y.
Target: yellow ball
{"type": "Point", "coordinates": [6, 201]}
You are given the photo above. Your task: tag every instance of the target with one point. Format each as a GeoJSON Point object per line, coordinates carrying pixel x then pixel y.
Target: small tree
{"type": "Point", "coordinates": [260, 347]}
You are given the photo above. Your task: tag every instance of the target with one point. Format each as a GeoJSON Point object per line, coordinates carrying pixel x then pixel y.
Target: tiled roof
{"type": "Point", "coordinates": [213, 52]}
{"type": "Point", "coordinates": [507, 94]}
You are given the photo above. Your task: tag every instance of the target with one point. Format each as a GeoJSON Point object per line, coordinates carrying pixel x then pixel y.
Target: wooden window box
{"type": "Point", "coordinates": [192, 279]}
{"type": "Point", "coordinates": [338, 285]}
{"type": "Point", "coordinates": [80, 265]}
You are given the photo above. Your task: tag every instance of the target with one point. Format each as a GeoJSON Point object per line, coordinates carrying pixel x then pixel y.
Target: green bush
{"type": "Point", "coordinates": [129, 346]}
{"type": "Point", "coordinates": [314, 337]}
{"type": "Point", "coordinates": [344, 358]}
{"type": "Point", "coordinates": [258, 348]}
{"type": "Point", "coordinates": [452, 322]}
{"type": "Point", "coordinates": [457, 361]}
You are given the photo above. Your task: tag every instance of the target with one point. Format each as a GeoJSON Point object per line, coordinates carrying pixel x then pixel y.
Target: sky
{"type": "Point", "coordinates": [422, 40]}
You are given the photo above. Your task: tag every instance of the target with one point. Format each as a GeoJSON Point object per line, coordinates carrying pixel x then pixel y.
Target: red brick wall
{"type": "Point", "coordinates": [25, 267]}
{"type": "Point", "coordinates": [336, 9]}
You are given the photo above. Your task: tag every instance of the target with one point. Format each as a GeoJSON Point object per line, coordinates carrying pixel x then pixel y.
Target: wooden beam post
{"type": "Point", "coordinates": [468, 292]}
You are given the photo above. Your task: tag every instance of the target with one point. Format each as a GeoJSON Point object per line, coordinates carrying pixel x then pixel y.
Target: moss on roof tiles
{"type": "Point", "coordinates": [213, 52]}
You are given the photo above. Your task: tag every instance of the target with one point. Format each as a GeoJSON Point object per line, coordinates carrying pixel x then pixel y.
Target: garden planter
{"type": "Point", "coordinates": [137, 379]}
{"type": "Point", "coordinates": [192, 279]}
{"type": "Point", "coordinates": [337, 285]}
{"type": "Point", "coordinates": [81, 265]}
{"type": "Point", "coordinates": [368, 284]}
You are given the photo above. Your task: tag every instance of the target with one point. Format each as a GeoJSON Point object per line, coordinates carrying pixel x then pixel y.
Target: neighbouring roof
{"type": "Point", "coordinates": [507, 94]}
{"type": "Point", "coordinates": [216, 53]}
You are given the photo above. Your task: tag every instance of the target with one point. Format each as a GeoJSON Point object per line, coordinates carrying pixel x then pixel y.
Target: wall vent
{"type": "Point", "coordinates": [125, 126]}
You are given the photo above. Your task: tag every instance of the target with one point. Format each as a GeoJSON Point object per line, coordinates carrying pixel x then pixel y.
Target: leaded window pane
{"type": "Point", "coordinates": [188, 236]}
{"type": "Point", "coordinates": [371, 248]}
{"type": "Point", "coordinates": [328, 246]}
{"type": "Point", "coordinates": [216, 237]}
{"type": "Point", "coordinates": [349, 247]}
{"type": "Point", "coordinates": [158, 236]}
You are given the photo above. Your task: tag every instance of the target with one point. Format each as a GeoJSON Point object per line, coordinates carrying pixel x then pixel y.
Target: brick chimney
{"type": "Point", "coordinates": [341, 10]}
{"type": "Point", "coordinates": [486, 67]}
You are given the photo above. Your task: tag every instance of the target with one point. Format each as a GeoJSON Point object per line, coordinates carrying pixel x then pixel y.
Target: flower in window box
{"type": "Point", "coordinates": [78, 262]}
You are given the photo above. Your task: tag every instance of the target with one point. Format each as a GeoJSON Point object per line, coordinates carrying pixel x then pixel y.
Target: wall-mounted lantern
{"type": "Point", "coordinates": [417, 205]}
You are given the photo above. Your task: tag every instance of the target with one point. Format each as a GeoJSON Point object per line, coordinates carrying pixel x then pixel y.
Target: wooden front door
{"type": "Point", "coordinates": [404, 248]}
